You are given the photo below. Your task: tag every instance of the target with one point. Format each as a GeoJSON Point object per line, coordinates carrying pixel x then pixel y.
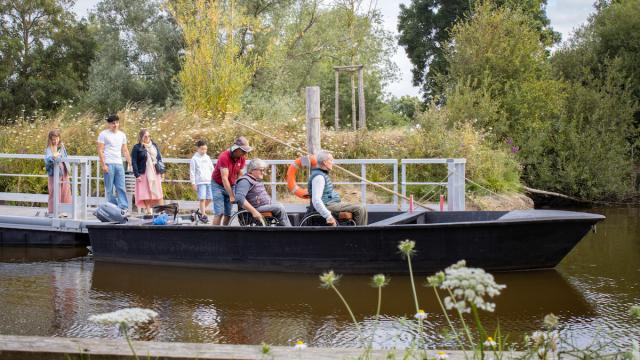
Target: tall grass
{"type": "Point", "coordinates": [176, 132]}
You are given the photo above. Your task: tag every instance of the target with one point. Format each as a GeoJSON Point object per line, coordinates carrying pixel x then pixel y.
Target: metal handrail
{"type": "Point", "coordinates": [455, 183]}
{"type": "Point", "coordinates": [455, 180]}
{"type": "Point", "coordinates": [274, 182]}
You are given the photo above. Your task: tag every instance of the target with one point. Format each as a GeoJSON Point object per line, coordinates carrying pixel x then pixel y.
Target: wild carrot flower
{"type": "Point", "coordinates": [436, 280]}
{"type": "Point", "coordinates": [420, 315]}
{"type": "Point", "coordinates": [490, 343]}
{"type": "Point", "coordinates": [406, 247]}
{"type": "Point", "coordinates": [300, 345]}
{"type": "Point", "coordinates": [329, 279]}
{"type": "Point", "coordinates": [129, 316]}
{"type": "Point", "coordinates": [379, 280]}
{"type": "Point", "coordinates": [469, 286]}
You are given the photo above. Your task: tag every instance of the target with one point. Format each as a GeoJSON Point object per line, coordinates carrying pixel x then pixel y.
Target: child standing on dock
{"type": "Point", "coordinates": [200, 171]}
{"type": "Point", "coordinates": [56, 155]}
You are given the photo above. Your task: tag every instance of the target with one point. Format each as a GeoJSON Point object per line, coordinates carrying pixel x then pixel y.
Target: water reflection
{"type": "Point", "coordinates": [52, 292]}
{"type": "Point", "coordinates": [253, 307]}
{"type": "Point", "coordinates": [19, 254]}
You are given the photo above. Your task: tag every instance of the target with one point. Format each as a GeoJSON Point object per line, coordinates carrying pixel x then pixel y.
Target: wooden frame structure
{"type": "Point", "coordinates": [362, 116]}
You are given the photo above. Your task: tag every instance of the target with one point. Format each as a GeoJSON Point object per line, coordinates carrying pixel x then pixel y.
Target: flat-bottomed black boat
{"type": "Point", "coordinates": [493, 240]}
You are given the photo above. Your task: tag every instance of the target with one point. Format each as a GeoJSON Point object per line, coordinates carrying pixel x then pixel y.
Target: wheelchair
{"type": "Point", "coordinates": [244, 218]}
{"type": "Point", "coordinates": [313, 218]}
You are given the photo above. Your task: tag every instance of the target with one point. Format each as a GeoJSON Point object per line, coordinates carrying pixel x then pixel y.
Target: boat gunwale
{"type": "Point", "coordinates": [497, 222]}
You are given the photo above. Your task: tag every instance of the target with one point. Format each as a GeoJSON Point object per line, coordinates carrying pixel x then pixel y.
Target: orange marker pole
{"type": "Point", "coordinates": [441, 202]}
{"type": "Point", "coordinates": [411, 203]}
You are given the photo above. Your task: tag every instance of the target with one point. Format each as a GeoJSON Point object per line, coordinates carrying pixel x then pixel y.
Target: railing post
{"type": "Point", "coordinates": [56, 190]}
{"type": "Point", "coordinates": [98, 180]}
{"type": "Point", "coordinates": [460, 184]}
{"type": "Point", "coordinates": [455, 185]}
{"type": "Point", "coordinates": [404, 184]}
{"type": "Point", "coordinates": [274, 177]}
{"type": "Point", "coordinates": [84, 185]}
{"type": "Point", "coordinates": [451, 184]}
{"type": "Point", "coordinates": [363, 184]}
{"type": "Point", "coordinates": [395, 182]}
{"type": "Point", "coordinates": [74, 190]}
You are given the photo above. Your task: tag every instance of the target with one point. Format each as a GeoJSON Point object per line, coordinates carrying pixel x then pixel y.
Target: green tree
{"type": "Point", "coordinates": [424, 27]}
{"type": "Point", "coordinates": [298, 44]}
{"type": "Point", "coordinates": [609, 43]}
{"type": "Point", "coordinates": [45, 56]}
{"type": "Point", "coordinates": [215, 72]}
{"type": "Point", "coordinates": [138, 56]}
{"type": "Point", "coordinates": [569, 135]}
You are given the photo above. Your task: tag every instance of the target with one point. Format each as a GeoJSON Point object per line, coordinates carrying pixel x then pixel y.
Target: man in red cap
{"type": "Point", "coordinates": [227, 170]}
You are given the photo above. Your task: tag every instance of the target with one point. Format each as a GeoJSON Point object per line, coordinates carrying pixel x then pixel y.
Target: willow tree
{"type": "Point", "coordinates": [214, 74]}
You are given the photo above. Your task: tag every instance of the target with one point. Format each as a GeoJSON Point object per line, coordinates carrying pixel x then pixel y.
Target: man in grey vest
{"type": "Point", "coordinates": [324, 199]}
{"type": "Point", "coordinates": [251, 194]}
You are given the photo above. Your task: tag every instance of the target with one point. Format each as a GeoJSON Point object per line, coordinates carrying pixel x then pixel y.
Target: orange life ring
{"type": "Point", "coordinates": [291, 176]}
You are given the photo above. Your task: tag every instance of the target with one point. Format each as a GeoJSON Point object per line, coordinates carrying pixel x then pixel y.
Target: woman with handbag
{"type": "Point", "coordinates": [148, 169]}
{"type": "Point", "coordinates": [56, 155]}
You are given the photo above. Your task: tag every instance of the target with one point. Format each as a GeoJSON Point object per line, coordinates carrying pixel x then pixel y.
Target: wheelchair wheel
{"type": "Point", "coordinates": [313, 219]}
{"type": "Point", "coordinates": [244, 218]}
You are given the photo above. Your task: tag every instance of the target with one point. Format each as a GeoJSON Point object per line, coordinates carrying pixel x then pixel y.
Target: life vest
{"type": "Point", "coordinates": [329, 194]}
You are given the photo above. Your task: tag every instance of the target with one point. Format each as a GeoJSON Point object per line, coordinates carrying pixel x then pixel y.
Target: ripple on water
{"type": "Point", "coordinates": [56, 297]}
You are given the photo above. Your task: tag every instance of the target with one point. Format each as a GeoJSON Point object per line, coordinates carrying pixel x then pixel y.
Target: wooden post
{"type": "Point", "coordinates": [313, 119]}
{"type": "Point", "coordinates": [337, 110]}
{"type": "Point", "coordinates": [362, 117]}
{"type": "Point", "coordinates": [353, 103]}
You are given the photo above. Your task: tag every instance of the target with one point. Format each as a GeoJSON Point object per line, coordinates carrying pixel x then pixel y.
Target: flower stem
{"type": "Point", "coordinates": [453, 329]}
{"type": "Point", "coordinates": [355, 322]}
{"type": "Point", "coordinates": [481, 332]}
{"type": "Point", "coordinates": [123, 328]}
{"type": "Point", "coordinates": [464, 324]}
{"type": "Point", "coordinates": [413, 285]}
{"type": "Point", "coordinates": [415, 299]}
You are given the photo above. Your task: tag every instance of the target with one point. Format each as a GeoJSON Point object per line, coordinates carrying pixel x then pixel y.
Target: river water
{"type": "Point", "coordinates": [52, 292]}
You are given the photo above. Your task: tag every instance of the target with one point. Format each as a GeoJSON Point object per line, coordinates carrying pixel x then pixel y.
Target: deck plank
{"type": "Point", "coordinates": [37, 347]}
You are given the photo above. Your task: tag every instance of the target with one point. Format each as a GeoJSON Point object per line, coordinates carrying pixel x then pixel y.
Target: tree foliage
{"type": "Point", "coordinates": [424, 27]}
{"type": "Point", "coordinates": [138, 55]}
{"type": "Point", "coordinates": [44, 58]}
{"type": "Point", "coordinates": [216, 71]}
{"type": "Point", "coordinates": [300, 42]}
{"type": "Point", "coordinates": [569, 135]}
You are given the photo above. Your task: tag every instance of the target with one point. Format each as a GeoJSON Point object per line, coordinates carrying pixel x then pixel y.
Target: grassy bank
{"type": "Point", "coordinates": [176, 131]}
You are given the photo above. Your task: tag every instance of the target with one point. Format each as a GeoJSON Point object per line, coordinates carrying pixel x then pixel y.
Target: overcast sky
{"type": "Point", "coordinates": [565, 15]}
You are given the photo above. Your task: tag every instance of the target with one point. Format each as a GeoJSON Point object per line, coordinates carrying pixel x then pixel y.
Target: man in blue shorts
{"type": "Point", "coordinates": [227, 170]}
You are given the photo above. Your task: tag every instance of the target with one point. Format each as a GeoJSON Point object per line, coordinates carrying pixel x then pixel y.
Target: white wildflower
{"type": "Point", "coordinates": [442, 355]}
{"type": "Point", "coordinates": [490, 343]}
{"type": "Point", "coordinates": [300, 345]}
{"type": "Point", "coordinates": [129, 316]}
{"type": "Point", "coordinates": [469, 286]}
{"type": "Point", "coordinates": [420, 315]}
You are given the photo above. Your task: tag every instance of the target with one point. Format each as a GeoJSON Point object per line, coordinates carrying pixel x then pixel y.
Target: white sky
{"type": "Point", "coordinates": [565, 16]}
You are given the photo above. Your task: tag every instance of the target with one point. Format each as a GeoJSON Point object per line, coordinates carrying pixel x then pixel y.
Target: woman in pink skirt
{"type": "Point", "coordinates": [55, 155]}
{"type": "Point", "coordinates": [146, 160]}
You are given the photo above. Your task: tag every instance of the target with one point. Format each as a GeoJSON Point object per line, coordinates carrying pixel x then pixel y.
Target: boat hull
{"type": "Point", "coordinates": [497, 245]}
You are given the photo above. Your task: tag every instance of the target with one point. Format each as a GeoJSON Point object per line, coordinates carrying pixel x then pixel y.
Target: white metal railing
{"type": "Point", "coordinates": [455, 180]}
{"type": "Point", "coordinates": [91, 194]}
